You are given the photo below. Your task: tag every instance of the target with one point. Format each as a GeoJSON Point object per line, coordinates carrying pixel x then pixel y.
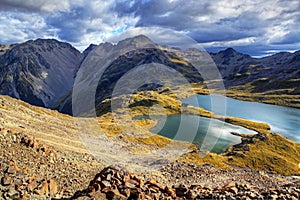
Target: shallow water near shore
{"type": "Point", "coordinates": [208, 134]}
{"type": "Point", "coordinates": [283, 120]}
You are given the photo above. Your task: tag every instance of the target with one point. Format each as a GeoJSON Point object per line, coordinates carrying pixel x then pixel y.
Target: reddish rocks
{"type": "Point", "coordinates": [118, 183]}
{"type": "Point", "coordinates": [48, 188]}
{"type": "Point", "coordinates": [39, 147]}
{"type": "Point", "coordinates": [6, 180]}
{"type": "Point", "coordinates": [71, 172]}
{"type": "Point", "coordinates": [15, 184]}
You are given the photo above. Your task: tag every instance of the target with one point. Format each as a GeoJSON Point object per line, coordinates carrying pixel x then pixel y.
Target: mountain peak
{"type": "Point", "coordinates": [230, 50]}
{"type": "Point", "coordinates": [90, 48]}
{"type": "Point", "coordinates": [140, 40]}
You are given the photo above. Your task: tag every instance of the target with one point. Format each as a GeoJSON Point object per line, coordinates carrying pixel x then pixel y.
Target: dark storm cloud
{"type": "Point", "coordinates": [267, 24]}
{"type": "Point", "coordinates": [34, 5]}
{"type": "Point", "coordinates": [290, 38]}
{"type": "Point", "coordinates": [71, 26]}
{"type": "Point", "coordinates": [178, 15]}
{"type": "Point", "coordinates": [251, 26]}
{"type": "Point", "coordinates": [20, 4]}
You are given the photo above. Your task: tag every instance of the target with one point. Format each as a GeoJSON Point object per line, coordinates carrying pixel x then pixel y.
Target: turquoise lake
{"type": "Point", "coordinates": [214, 135]}
{"type": "Point", "coordinates": [283, 120]}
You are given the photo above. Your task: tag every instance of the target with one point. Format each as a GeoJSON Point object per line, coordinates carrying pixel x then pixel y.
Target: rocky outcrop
{"type": "Point", "coordinates": [117, 183]}
{"type": "Point", "coordinates": [31, 169]}
{"type": "Point", "coordinates": [17, 182]}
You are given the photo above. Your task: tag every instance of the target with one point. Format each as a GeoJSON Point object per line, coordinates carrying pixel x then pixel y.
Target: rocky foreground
{"type": "Point", "coordinates": [117, 183]}
{"type": "Point", "coordinates": [30, 169]}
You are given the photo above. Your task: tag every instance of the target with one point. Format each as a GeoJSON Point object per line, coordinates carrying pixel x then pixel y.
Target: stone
{"type": "Point", "coordinates": [247, 186]}
{"type": "Point", "coordinates": [231, 184]}
{"type": "Point", "coordinates": [156, 184]}
{"type": "Point", "coordinates": [53, 187]}
{"type": "Point", "coordinates": [99, 195]}
{"type": "Point", "coordinates": [6, 181]}
{"type": "Point", "coordinates": [234, 190]}
{"type": "Point", "coordinates": [274, 196]}
{"type": "Point", "coordinates": [192, 194]}
{"type": "Point", "coordinates": [14, 138]}
{"type": "Point", "coordinates": [108, 177]}
{"type": "Point", "coordinates": [11, 170]}
{"type": "Point", "coordinates": [32, 185]}
{"type": "Point", "coordinates": [125, 192]}
{"type": "Point", "coordinates": [13, 194]}
{"type": "Point", "coordinates": [105, 184]}
{"type": "Point", "coordinates": [170, 192]}
{"type": "Point", "coordinates": [129, 185]}
{"type": "Point", "coordinates": [252, 195]}
{"type": "Point", "coordinates": [181, 190]}
{"type": "Point", "coordinates": [44, 188]}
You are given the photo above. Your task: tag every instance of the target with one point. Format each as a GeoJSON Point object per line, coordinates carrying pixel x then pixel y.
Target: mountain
{"type": "Point", "coordinates": [39, 71]}
{"type": "Point", "coordinates": [48, 155]}
{"type": "Point", "coordinates": [97, 79]}
{"type": "Point", "coordinates": [42, 72]}
{"type": "Point", "coordinates": [279, 72]}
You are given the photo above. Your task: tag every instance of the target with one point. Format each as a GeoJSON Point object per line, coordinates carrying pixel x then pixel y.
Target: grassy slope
{"type": "Point", "coordinates": [264, 151]}
{"type": "Point", "coordinates": [276, 97]}
{"type": "Point", "coordinates": [271, 153]}
{"type": "Point", "coordinates": [275, 153]}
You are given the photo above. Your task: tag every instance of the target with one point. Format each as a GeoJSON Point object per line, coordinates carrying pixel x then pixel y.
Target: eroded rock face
{"type": "Point", "coordinates": [38, 72]}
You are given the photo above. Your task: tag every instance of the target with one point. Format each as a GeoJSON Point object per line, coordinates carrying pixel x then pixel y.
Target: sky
{"type": "Point", "coordinates": [255, 27]}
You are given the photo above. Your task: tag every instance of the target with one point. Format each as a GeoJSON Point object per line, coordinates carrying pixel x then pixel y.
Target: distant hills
{"type": "Point", "coordinates": [280, 71]}
{"type": "Point", "coordinates": [42, 72]}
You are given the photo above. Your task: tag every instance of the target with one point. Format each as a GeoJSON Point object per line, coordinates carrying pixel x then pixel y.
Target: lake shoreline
{"type": "Point", "coordinates": [282, 119]}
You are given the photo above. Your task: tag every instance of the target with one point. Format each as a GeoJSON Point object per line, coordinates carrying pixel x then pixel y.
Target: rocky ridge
{"type": "Point", "coordinates": [42, 72]}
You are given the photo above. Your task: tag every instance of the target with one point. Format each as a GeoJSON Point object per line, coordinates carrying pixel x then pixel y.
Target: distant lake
{"type": "Point", "coordinates": [283, 120]}
{"type": "Point", "coordinates": [209, 134]}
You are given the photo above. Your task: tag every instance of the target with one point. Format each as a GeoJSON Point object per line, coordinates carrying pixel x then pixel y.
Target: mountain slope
{"type": "Point", "coordinates": [139, 51]}
{"type": "Point", "coordinates": [42, 72]}
{"type": "Point", "coordinates": [38, 72]}
{"type": "Point", "coordinates": [279, 72]}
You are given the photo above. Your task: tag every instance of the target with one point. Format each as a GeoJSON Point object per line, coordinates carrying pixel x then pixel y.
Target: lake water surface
{"type": "Point", "coordinates": [283, 120]}
{"type": "Point", "coordinates": [214, 135]}
{"type": "Point", "coordinates": [209, 134]}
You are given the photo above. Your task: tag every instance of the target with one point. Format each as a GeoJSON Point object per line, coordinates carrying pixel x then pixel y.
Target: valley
{"type": "Point", "coordinates": [76, 113]}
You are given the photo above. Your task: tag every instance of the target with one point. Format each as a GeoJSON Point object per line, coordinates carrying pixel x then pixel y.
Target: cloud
{"type": "Point", "coordinates": [223, 23]}
{"type": "Point", "coordinates": [35, 5]}
{"type": "Point", "coordinates": [19, 27]}
{"type": "Point", "coordinates": [93, 18]}
{"type": "Point", "coordinates": [250, 25]}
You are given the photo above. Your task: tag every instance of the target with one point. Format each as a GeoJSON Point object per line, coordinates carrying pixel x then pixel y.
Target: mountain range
{"type": "Point", "coordinates": [42, 72]}
{"type": "Point", "coordinates": [46, 154]}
